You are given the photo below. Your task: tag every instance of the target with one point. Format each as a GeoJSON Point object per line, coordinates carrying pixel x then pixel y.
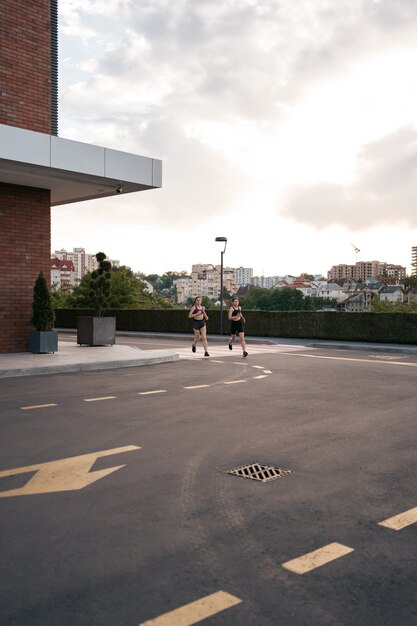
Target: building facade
{"type": "Point", "coordinates": [243, 276]}
{"type": "Point", "coordinates": [205, 281]}
{"type": "Point", "coordinates": [38, 169]}
{"type": "Point", "coordinates": [83, 262]}
{"type": "Point", "coordinates": [414, 260]}
{"type": "Point", "coordinates": [364, 270]}
{"type": "Point", "coordinates": [62, 273]}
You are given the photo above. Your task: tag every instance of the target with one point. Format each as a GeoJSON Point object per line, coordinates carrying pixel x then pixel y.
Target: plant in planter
{"type": "Point", "coordinates": [98, 330]}
{"type": "Point", "coordinates": [44, 338]}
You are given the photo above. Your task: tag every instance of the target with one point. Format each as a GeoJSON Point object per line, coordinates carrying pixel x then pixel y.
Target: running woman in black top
{"type": "Point", "coordinates": [199, 316]}
{"type": "Point", "coordinates": [236, 328]}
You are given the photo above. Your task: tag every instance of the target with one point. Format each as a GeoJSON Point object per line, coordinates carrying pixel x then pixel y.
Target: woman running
{"type": "Point", "coordinates": [236, 327]}
{"type": "Point", "coordinates": [199, 316]}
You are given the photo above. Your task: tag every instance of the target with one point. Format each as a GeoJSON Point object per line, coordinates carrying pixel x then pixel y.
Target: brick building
{"type": "Point", "coordinates": [37, 168]}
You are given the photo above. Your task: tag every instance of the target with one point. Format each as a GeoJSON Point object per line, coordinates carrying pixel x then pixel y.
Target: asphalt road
{"type": "Point", "coordinates": [167, 530]}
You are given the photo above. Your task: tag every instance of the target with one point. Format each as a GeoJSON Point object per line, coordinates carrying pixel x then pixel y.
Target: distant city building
{"type": "Point", "coordinates": [414, 260]}
{"type": "Point", "coordinates": [205, 281]}
{"type": "Point", "coordinates": [62, 273]}
{"type": "Point", "coordinates": [267, 282]}
{"type": "Point", "coordinates": [243, 276]}
{"type": "Point", "coordinates": [364, 270]}
{"type": "Point", "coordinates": [83, 262]}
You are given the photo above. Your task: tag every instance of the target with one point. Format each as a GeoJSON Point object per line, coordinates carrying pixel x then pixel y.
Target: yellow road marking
{"type": "Point", "coordinates": [197, 387]}
{"type": "Point", "coordinates": [195, 612]}
{"type": "Point", "coordinates": [234, 382]}
{"type": "Point", "coordinates": [149, 393]}
{"type": "Point", "coordinates": [98, 399]}
{"type": "Point", "coordinates": [397, 522]}
{"type": "Point", "coordinates": [317, 558]}
{"type": "Point", "coordinates": [260, 376]}
{"type": "Point", "coordinates": [36, 406]}
{"type": "Point", "coordinates": [62, 475]}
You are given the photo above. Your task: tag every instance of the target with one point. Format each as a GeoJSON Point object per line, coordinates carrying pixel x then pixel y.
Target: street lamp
{"type": "Point", "coordinates": [222, 239]}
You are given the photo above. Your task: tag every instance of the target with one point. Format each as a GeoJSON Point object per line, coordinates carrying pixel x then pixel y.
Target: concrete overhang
{"type": "Point", "coordinates": [73, 171]}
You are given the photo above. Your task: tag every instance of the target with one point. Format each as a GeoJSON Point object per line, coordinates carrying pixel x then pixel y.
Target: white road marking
{"type": "Point", "coordinates": [267, 372]}
{"type": "Point", "coordinates": [233, 382]}
{"type": "Point", "coordinates": [341, 358]}
{"type": "Point", "coordinates": [260, 376]}
{"type": "Point", "coordinates": [99, 399]}
{"type": "Point", "coordinates": [258, 367]}
{"type": "Point", "coordinates": [397, 522]}
{"type": "Point", "coordinates": [196, 386]}
{"type": "Point", "coordinates": [317, 558]}
{"type": "Point", "coordinates": [149, 393]}
{"type": "Point", "coordinates": [195, 612]}
{"type": "Point", "coordinates": [36, 406]}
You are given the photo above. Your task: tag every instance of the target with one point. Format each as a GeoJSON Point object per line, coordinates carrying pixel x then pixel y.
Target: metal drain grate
{"type": "Point", "coordinates": [257, 471]}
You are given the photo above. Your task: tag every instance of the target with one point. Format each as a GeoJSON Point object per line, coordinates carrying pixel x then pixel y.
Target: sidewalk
{"type": "Point", "coordinates": [74, 358]}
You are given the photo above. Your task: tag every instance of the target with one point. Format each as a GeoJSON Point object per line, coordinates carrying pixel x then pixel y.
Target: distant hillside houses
{"type": "Point", "coordinates": [349, 294]}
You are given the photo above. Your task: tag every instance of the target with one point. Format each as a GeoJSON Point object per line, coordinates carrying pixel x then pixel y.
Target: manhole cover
{"type": "Point", "coordinates": [257, 471]}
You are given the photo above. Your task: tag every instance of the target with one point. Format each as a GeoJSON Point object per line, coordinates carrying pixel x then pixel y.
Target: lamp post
{"type": "Point", "coordinates": [222, 239]}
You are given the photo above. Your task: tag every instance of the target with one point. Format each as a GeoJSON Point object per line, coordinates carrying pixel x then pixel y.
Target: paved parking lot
{"type": "Point", "coordinates": [116, 506]}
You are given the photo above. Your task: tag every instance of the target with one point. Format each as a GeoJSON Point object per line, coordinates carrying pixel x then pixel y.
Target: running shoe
{"type": "Point", "coordinates": [193, 348]}
{"type": "Point", "coordinates": [206, 354]}
{"type": "Point", "coordinates": [245, 354]}
{"type": "Point", "coordinates": [230, 346]}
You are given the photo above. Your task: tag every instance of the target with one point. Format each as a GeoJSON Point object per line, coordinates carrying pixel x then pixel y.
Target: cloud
{"type": "Point", "coordinates": [385, 190]}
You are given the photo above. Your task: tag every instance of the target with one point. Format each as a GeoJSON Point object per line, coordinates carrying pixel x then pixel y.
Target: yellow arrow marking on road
{"type": "Point", "coordinates": [63, 475]}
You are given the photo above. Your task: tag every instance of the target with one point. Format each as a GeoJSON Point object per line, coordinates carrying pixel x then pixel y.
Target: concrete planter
{"type": "Point", "coordinates": [96, 331]}
{"type": "Point", "coordinates": [43, 341]}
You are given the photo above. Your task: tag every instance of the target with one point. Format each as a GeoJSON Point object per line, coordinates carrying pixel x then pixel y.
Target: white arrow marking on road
{"type": "Point", "coordinates": [63, 475]}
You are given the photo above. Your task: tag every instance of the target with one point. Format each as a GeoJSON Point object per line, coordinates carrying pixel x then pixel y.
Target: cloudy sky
{"type": "Point", "coordinates": [288, 126]}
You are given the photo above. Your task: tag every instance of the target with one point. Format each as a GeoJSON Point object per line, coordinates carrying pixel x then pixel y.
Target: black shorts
{"type": "Point", "coordinates": [199, 324]}
{"type": "Point", "coordinates": [236, 327]}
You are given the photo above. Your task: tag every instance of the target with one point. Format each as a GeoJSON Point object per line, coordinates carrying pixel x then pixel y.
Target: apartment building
{"type": "Point", "coordinates": [364, 270]}
{"type": "Point", "coordinates": [83, 262]}
{"type": "Point", "coordinates": [62, 273]}
{"type": "Point", "coordinates": [414, 260]}
{"type": "Point", "coordinates": [243, 276]}
{"type": "Point", "coordinates": [205, 281]}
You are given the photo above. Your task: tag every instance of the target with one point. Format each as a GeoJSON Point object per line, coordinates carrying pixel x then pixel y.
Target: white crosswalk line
{"type": "Point", "coordinates": [222, 351]}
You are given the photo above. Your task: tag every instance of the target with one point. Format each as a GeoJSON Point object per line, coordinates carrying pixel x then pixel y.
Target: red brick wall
{"type": "Point", "coordinates": [25, 245]}
{"type": "Point", "coordinates": [25, 64]}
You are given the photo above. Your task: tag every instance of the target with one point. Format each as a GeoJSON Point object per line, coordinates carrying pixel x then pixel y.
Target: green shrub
{"type": "Point", "coordinates": [43, 315]}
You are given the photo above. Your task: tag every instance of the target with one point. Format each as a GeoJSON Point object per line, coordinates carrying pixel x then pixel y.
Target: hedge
{"type": "Point", "coordinates": [372, 327]}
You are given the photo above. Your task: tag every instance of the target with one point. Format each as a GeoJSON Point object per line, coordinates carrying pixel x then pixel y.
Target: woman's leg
{"type": "Point", "coordinates": [203, 333]}
{"type": "Point", "coordinates": [196, 338]}
{"type": "Point", "coordinates": [242, 341]}
{"type": "Point", "coordinates": [231, 340]}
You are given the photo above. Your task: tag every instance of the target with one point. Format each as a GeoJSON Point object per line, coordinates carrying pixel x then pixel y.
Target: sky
{"type": "Point", "coordinates": [287, 126]}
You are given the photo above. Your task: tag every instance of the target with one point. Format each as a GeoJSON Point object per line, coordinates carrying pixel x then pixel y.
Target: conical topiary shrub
{"type": "Point", "coordinates": [100, 285]}
{"type": "Point", "coordinates": [44, 338]}
{"type": "Point", "coordinates": [98, 330]}
{"type": "Point", "coordinates": [43, 316]}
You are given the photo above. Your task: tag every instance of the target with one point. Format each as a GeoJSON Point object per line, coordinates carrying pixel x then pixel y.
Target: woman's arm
{"type": "Point", "coordinates": [229, 313]}
{"type": "Point", "coordinates": [190, 314]}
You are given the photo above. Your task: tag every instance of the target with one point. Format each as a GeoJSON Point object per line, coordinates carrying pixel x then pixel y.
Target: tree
{"type": "Point", "coordinates": [43, 314]}
{"type": "Point", "coordinates": [126, 292]}
{"type": "Point", "coordinates": [62, 296]}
